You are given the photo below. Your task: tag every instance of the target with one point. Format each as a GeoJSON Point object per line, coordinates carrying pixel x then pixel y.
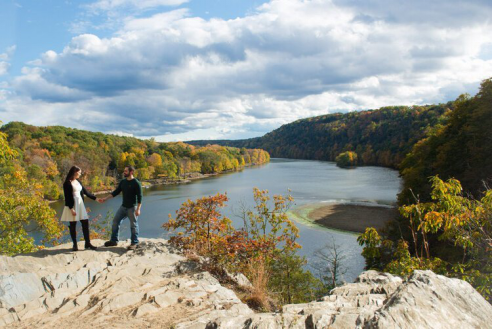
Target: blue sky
{"type": "Point", "coordinates": [35, 26]}
{"type": "Point", "coordinates": [180, 70]}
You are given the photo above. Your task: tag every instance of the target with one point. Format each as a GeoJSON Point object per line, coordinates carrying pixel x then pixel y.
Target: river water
{"type": "Point", "coordinates": [308, 181]}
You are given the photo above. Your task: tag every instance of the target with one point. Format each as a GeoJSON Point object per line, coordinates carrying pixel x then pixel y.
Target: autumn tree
{"type": "Point", "coordinates": [48, 153]}
{"type": "Point", "coordinates": [22, 208]}
{"type": "Point", "coordinates": [155, 160]}
{"type": "Point", "coordinates": [269, 229]}
{"type": "Point", "coordinates": [346, 159]}
{"type": "Point", "coordinates": [201, 228]}
{"type": "Point", "coordinates": [452, 217]}
{"type": "Point", "coordinates": [264, 249]}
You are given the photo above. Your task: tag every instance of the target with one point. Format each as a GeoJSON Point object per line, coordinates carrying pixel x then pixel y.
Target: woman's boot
{"type": "Point", "coordinates": [87, 237]}
{"type": "Point", "coordinates": [73, 233]}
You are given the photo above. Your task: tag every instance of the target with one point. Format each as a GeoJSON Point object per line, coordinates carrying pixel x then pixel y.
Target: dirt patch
{"type": "Point", "coordinates": [353, 218]}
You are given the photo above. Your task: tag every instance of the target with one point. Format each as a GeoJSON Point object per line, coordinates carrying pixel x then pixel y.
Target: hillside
{"type": "Point", "coordinates": [379, 137]}
{"type": "Point", "coordinates": [450, 140]}
{"type": "Point", "coordinates": [461, 149]}
{"type": "Point", "coordinates": [47, 153]}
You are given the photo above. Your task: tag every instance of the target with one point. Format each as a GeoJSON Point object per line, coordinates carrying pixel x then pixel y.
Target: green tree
{"type": "Point", "coordinates": [290, 282]}
{"type": "Point", "coordinates": [346, 159]}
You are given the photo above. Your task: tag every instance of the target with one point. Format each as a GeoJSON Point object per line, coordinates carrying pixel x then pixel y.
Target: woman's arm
{"type": "Point", "coordinates": [68, 192]}
{"type": "Point", "coordinates": [89, 195]}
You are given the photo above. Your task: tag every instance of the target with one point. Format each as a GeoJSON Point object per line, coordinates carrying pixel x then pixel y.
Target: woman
{"type": "Point", "coordinates": [74, 207]}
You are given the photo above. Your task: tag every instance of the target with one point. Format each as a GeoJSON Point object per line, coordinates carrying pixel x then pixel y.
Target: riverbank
{"type": "Point", "coordinates": [345, 216]}
{"type": "Point", "coordinates": [161, 181]}
{"type": "Point", "coordinates": [167, 181]}
{"type": "Point", "coordinates": [175, 181]}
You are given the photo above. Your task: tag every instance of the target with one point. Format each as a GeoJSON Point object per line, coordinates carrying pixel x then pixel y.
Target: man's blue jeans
{"type": "Point", "coordinates": [121, 214]}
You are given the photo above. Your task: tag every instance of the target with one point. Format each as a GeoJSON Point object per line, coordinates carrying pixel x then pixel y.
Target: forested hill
{"type": "Point", "coordinates": [461, 149]}
{"type": "Point", "coordinates": [449, 140]}
{"type": "Point", "coordinates": [380, 137]}
{"type": "Point", "coordinates": [47, 153]}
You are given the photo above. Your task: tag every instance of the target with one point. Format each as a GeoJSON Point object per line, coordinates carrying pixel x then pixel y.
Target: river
{"type": "Point", "coordinates": [308, 182]}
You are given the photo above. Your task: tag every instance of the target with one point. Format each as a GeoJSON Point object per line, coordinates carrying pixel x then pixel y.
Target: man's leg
{"type": "Point", "coordinates": [118, 217]}
{"type": "Point", "coordinates": [133, 225]}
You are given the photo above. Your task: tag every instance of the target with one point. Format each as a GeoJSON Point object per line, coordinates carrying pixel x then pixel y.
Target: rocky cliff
{"type": "Point", "coordinates": [155, 286]}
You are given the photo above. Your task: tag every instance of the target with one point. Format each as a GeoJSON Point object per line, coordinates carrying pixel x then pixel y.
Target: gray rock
{"type": "Point", "coordinates": [144, 310]}
{"type": "Point", "coordinates": [46, 288]}
{"type": "Point", "coordinates": [168, 299]}
{"type": "Point", "coordinates": [428, 300]}
{"type": "Point", "coordinates": [156, 286]}
{"type": "Point", "coordinates": [239, 279]}
{"type": "Point", "coordinates": [18, 288]}
{"type": "Point", "coordinates": [381, 300]}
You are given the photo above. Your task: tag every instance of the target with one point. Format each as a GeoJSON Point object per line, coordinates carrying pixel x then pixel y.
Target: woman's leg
{"type": "Point", "coordinates": [87, 236]}
{"type": "Point", "coordinates": [73, 233]}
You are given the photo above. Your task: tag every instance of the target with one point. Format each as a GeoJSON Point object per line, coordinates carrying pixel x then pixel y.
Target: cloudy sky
{"type": "Point", "coordinates": [196, 69]}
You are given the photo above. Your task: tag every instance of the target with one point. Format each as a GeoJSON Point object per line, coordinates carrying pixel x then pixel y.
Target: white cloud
{"type": "Point", "coordinates": [9, 52]}
{"type": "Point", "coordinates": [5, 58]}
{"type": "Point", "coordinates": [107, 5]}
{"type": "Point", "coordinates": [4, 68]}
{"type": "Point", "coordinates": [174, 75]}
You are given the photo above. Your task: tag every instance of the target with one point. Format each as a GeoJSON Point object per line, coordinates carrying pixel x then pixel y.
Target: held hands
{"type": "Point", "coordinates": [73, 212]}
{"type": "Point", "coordinates": [101, 200]}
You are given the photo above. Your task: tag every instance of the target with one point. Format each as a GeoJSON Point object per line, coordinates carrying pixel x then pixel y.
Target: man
{"type": "Point", "coordinates": [132, 202]}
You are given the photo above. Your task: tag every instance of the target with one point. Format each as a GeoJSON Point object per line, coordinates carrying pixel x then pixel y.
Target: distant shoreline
{"type": "Point", "coordinates": [353, 218]}
{"type": "Point", "coordinates": [166, 181]}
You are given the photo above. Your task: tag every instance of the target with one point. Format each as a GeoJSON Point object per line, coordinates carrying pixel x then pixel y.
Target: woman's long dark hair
{"type": "Point", "coordinates": [71, 173]}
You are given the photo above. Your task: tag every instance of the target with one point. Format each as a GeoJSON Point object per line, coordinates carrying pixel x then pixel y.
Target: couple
{"type": "Point", "coordinates": [75, 210]}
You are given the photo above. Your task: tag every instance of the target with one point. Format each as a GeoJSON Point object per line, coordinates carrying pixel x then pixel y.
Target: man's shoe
{"type": "Point", "coordinates": [110, 243]}
{"type": "Point", "coordinates": [132, 247]}
{"type": "Point", "coordinates": [75, 247]}
{"type": "Point", "coordinates": [90, 246]}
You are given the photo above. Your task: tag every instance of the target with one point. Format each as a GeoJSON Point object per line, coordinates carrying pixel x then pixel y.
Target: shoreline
{"type": "Point", "coordinates": [346, 217]}
{"type": "Point", "coordinates": [176, 181]}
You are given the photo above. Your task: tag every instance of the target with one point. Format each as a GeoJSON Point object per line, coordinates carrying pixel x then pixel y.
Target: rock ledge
{"type": "Point", "coordinates": [155, 286]}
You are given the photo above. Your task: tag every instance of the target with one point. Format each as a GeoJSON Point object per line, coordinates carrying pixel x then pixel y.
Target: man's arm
{"type": "Point", "coordinates": [113, 194]}
{"type": "Point", "coordinates": [139, 198]}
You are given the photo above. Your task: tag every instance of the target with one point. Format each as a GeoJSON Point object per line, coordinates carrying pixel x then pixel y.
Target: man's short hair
{"type": "Point", "coordinates": [130, 168]}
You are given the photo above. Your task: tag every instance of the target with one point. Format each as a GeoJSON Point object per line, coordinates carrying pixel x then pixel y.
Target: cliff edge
{"type": "Point", "coordinates": [156, 286]}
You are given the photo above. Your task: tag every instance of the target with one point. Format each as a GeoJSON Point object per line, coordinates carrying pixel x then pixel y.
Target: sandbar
{"type": "Point", "coordinates": [348, 217]}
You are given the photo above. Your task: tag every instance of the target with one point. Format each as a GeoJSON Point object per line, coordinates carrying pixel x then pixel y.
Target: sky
{"type": "Point", "coordinates": [232, 69]}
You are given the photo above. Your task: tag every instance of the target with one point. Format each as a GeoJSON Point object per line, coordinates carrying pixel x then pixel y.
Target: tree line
{"type": "Point", "coordinates": [47, 153]}
{"type": "Point", "coordinates": [380, 137]}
